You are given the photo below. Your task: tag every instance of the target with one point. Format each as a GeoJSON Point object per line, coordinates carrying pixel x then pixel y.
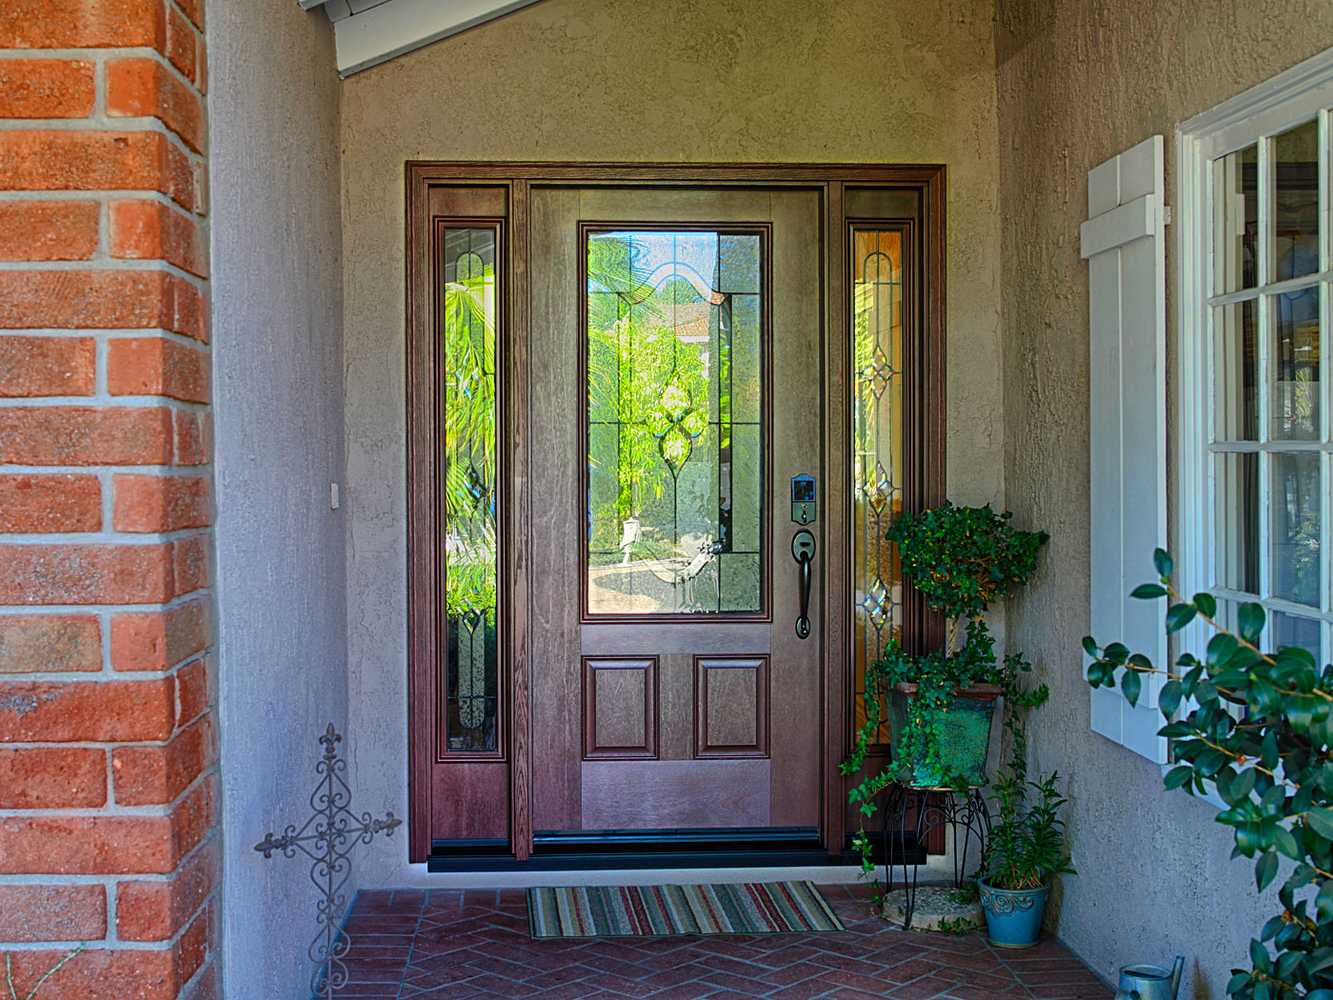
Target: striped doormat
{"type": "Point", "coordinates": [666, 910]}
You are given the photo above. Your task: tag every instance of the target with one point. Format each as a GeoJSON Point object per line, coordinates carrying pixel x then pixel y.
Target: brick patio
{"type": "Point", "coordinates": [459, 944]}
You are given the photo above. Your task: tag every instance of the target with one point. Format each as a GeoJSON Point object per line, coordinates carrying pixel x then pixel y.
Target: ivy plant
{"type": "Point", "coordinates": [962, 560]}
{"type": "Point", "coordinates": [1256, 728]}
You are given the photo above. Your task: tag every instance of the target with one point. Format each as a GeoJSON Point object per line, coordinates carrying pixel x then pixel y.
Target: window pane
{"type": "Point", "coordinates": [1235, 366]}
{"type": "Point", "coordinates": [1236, 220]}
{"type": "Point", "coordinates": [1296, 202]}
{"type": "Point", "coordinates": [675, 434]}
{"type": "Point", "coordinates": [1294, 502]}
{"type": "Point", "coordinates": [1292, 630]}
{"type": "Point", "coordinates": [877, 317]}
{"type": "Point", "coordinates": [1236, 521]}
{"type": "Point", "coordinates": [472, 672]}
{"type": "Point", "coordinates": [1294, 365]}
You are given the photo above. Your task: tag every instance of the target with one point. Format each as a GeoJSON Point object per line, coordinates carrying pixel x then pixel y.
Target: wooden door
{"type": "Point", "coordinates": [674, 392]}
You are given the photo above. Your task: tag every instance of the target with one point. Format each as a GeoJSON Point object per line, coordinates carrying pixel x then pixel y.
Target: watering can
{"type": "Point", "coordinates": [1150, 982]}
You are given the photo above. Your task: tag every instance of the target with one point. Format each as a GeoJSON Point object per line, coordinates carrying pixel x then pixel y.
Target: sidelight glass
{"type": "Point", "coordinates": [877, 409]}
{"type": "Point", "coordinates": [470, 409]}
{"type": "Point", "coordinates": [675, 427]}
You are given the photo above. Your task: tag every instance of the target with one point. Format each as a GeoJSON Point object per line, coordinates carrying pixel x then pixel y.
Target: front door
{"type": "Point", "coordinates": [675, 476]}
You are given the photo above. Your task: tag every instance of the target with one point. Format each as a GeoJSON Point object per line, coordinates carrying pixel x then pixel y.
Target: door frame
{"type": "Point", "coordinates": [428, 184]}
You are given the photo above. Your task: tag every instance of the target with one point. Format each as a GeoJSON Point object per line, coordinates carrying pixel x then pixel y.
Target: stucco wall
{"type": "Point", "coordinates": [1079, 82]}
{"type": "Point", "coordinates": [277, 329]}
{"type": "Point", "coordinates": [686, 80]}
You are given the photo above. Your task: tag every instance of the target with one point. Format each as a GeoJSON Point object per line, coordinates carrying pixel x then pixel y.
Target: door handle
{"type": "Point", "coordinates": [803, 551]}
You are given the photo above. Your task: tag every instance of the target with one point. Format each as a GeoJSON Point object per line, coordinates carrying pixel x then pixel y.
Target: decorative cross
{"type": "Point", "coordinates": [327, 839]}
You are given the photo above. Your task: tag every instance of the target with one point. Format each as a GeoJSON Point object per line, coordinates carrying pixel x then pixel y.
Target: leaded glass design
{"type": "Point", "coordinates": [674, 422]}
{"type": "Point", "coordinates": [877, 406]}
{"type": "Point", "coordinates": [472, 661]}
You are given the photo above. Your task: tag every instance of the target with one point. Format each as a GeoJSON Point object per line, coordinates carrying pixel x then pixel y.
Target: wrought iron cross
{"type": "Point", "coordinates": [327, 839]}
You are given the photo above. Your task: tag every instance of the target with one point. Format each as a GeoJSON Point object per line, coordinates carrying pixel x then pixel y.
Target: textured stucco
{"type": "Point", "coordinates": [1078, 83]}
{"type": "Point", "coordinates": [277, 328]}
{"type": "Point", "coordinates": [894, 81]}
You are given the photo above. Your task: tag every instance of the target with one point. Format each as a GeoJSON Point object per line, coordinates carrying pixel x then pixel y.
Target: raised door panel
{"type": "Point", "coordinates": [731, 706]}
{"type": "Point", "coordinates": [619, 708]}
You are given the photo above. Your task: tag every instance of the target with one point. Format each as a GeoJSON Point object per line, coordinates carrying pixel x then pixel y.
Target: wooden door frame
{"type": "Point", "coordinates": [427, 200]}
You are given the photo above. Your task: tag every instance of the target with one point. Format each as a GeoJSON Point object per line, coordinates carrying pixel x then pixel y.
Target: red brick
{"type": "Point", "coordinates": [51, 778]}
{"type": "Point", "coordinates": [47, 230]}
{"type": "Point", "coordinates": [50, 503]}
{"type": "Point", "coordinates": [100, 300]}
{"type": "Point", "coordinates": [143, 86]}
{"type": "Point", "coordinates": [95, 161]}
{"type": "Point", "coordinates": [47, 366]}
{"type": "Point", "coordinates": [146, 776]}
{"type": "Point", "coordinates": [181, 43]}
{"type": "Point", "coordinates": [85, 711]}
{"type": "Point", "coordinates": [150, 230]}
{"type": "Point", "coordinates": [101, 974]}
{"type": "Point", "coordinates": [68, 24]}
{"type": "Point", "coordinates": [194, 10]}
{"type": "Point", "coordinates": [50, 644]}
{"type": "Point", "coordinates": [190, 563]}
{"type": "Point", "coordinates": [52, 913]}
{"type": "Point", "coordinates": [155, 640]}
{"type": "Point", "coordinates": [194, 438]}
{"type": "Point", "coordinates": [107, 845]}
{"type": "Point", "coordinates": [208, 986]}
{"type": "Point", "coordinates": [201, 75]}
{"type": "Point", "coordinates": [161, 503]}
{"type": "Point", "coordinates": [87, 574]}
{"type": "Point", "coordinates": [154, 911]}
{"type": "Point", "coordinates": [70, 435]}
{"type": "Point", "coordinates": [156, 366]}
{"type": "Point", "coordinates": [192, 690]}
{"type": "Point", "coordinates": [46, 88]}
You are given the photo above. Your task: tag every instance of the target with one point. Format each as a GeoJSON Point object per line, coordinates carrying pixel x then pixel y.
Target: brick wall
{"type": "Point", "coordinates": [107, 746]}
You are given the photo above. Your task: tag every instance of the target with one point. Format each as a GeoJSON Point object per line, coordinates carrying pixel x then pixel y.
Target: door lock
{"type": "Point", "coordinates": [803, 504]}
{"type": "Point", "coordinates": [803, 551]}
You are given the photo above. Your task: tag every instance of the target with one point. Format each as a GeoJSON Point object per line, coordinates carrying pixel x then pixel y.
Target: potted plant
{"type": "Point", "coordinates": [1026, 848]}
{"type": "Point", "coordinates": [940, 704]}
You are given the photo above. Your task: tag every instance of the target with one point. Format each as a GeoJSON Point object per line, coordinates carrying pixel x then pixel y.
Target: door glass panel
{"type": "Point", "coordinates": [1236, 208]}
{"type": "Point", "coordinates": [1295, 365]}
{"type": "Point", "coordinates": [1236, 366]}
{"type": "Point", "coordinates": [472, 674]}
{"type": "Point", "coordinates": [1236, 520]}
{"type": "Point", "coordinates": [1294, 504]}
{"type": "Point", "coordinates": [675, 430]}
{"type": "Point", "coordinates": [877, 339]}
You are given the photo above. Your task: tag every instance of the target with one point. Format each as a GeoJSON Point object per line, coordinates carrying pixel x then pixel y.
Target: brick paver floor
{"type": "Point", "coordinates": [453, 944]}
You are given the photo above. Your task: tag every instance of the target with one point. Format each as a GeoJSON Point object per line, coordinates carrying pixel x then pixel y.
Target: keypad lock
{"type": "Point", "coordinates": [804, 507]}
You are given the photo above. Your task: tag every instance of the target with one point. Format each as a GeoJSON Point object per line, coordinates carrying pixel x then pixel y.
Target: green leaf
{"type": "Point", "coordinates": [1178, 616]}
{"type": "Point", "coordinates": [1265, 870]}
{"type": "Point", "coordinates": [1324, 901]}
{"type": "Point", "coordinates": [1251, 620]}
{"type": "Point", "coordinates": [1207, 604]}
{"type": "Point", "coordinates": [1321, 821]}
{"type": "Point", "coordinates": [1148, 591]}
{"type": "Point", "coordinates": [1161, 559]}
{"type": "Point", "coordinates": [1177, 776]}
{"type": "Point", "coordinates": [1168, 699]}
{"type": "Point", "coordinates": [1287, 844]}
{"type": "Point", "coordinates": [1090, 646]}
{"type": "Point", "coordinates": [1131, 683]}
{"type": "Point", "coordinates": [1220, 648]}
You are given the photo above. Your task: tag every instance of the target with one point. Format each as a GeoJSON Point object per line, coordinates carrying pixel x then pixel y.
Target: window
{"type": "Point", "coordinates": [1256, 453]}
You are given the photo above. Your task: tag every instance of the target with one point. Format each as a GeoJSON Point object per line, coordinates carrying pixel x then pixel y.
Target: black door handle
{"type": "Point", "coordinates": [803, 551]}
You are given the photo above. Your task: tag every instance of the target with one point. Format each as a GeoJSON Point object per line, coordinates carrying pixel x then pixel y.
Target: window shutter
{"type": "Point", "coordinates": [1124, 246]}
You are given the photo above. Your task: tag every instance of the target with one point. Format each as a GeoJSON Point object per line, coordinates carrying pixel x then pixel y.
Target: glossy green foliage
{"type": "Point", "coordinates": [1256, 728]}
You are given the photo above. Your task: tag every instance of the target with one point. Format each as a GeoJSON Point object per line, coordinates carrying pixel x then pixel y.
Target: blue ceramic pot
{"type": "Point", "coordinates": [1013, 916]}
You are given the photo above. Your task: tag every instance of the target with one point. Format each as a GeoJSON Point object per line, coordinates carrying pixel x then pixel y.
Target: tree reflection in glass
{"type": "Point", "coordinates": [469, 342]}
{"type": "Point", "coordinates": [675, 464]}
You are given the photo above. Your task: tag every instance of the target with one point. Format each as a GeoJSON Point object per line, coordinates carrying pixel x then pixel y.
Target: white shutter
{"type": "Point", "coordinates": [1124, 245]}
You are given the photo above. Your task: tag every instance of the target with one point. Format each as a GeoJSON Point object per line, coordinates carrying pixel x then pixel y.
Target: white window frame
{"type": "Point", "coordinates": [1300, 94]}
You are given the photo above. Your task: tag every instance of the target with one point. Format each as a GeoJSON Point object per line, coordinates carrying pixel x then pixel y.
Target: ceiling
{"type": "Point", "coordinates": [369, 32]}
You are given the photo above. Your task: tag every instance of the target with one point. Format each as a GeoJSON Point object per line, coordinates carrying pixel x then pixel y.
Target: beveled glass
{"type": "Point", "coordinates": [675, 422]}
{"type": "Point", "coordinates": [877, 409]}
{"type": "Point", "coordinates": [470, 556]}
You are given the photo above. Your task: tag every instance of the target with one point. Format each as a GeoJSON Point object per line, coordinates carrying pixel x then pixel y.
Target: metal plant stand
{"type": "Point", "coordinates": [327, 839]}
{"type": "Point", "coordinates": [919, 811]}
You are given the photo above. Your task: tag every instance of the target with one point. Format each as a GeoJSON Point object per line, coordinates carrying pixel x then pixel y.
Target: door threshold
{"type": "Point", "coordinates": [664, 850]}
